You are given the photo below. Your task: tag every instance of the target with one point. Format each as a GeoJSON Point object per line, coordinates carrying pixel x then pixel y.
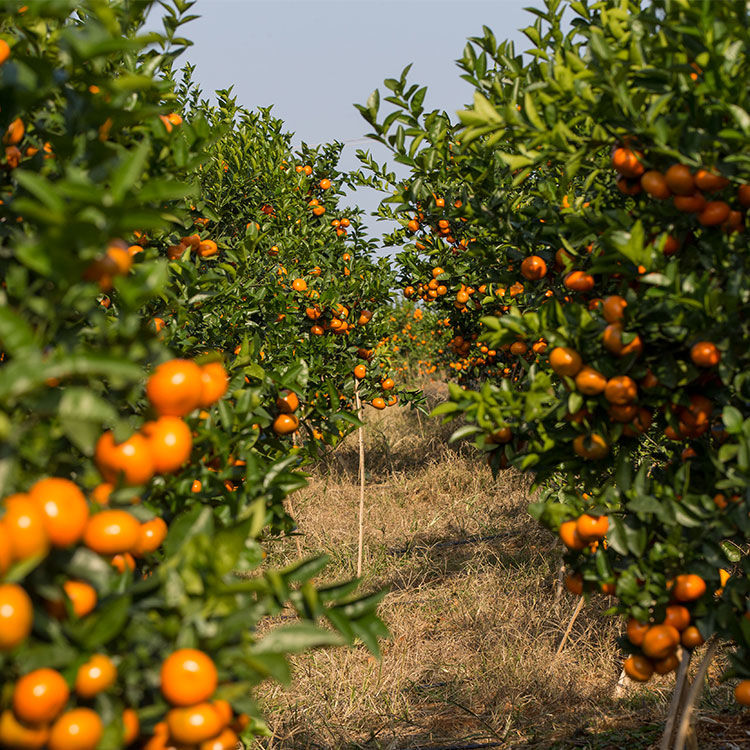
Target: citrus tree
{"type": "Point", "coordinates": [131, 577]}
{"type": "Point", "coordinates": [591, 231]}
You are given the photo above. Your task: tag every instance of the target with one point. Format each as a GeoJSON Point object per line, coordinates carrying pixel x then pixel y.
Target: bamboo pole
{"type": "Point", "coordinates": [693, 695]}
{"type": "Point", "coordinates": [360, 541]}
{"type": "Point", "coordinates": [573, 618]}
{"type": "Point", "coordinates": [677, 700]}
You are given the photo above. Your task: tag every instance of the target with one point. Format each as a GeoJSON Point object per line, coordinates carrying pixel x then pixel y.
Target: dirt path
{"type": "Point", "coordinates": [471, 608]}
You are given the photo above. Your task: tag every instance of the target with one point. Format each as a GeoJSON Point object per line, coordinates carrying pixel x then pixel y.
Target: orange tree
{"type": "Point", "coordinates": [122, 616]}
{"type": "Point", "coordinates": [595, 196]}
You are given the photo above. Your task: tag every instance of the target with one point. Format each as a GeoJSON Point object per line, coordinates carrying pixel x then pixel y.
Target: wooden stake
{"type": "Point", "coordinates": [696, 688]}
{"type": "Point", "coordinates": [677, 700]}
{"type": "Point", "coordinates": [560, 584]}
{"type": "Point", "coordinates": [573, 618]}
{"type": "Point", "coordinates": [360, 542]}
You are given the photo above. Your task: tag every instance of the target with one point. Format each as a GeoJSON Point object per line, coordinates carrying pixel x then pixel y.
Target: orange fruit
{"type": "Point", "coordinates": [593, 446]}
{"type": "Point", "coordinates": [83, 599]}
{"type": "Point", "coordinates": [677, 616]}
{"type": "Point", "coordinates": [124, 562]}
{"type": "Point", "coordinates": [636, 631]}
{"type": "Point", "coordinates": [285, 424]}
{"type": "Point", "coordinates": [705, 354]}
{"type": "Point", "coordinates": [621, 389]}
{"type": "Point", "coordinates": [387, 384]}
{"type": "Point", "coordinates": [660, 641]}
{"type": "Point", "coordinates": [226, 740]}
{"type": "Point", "coordinates": [654, 183]}
{"type": "Point", "coordinates": [207, 248]}
{"type": "Point", "coordinates": [170, 443]}
{"type": "Point", "coordinates": [111, 532]}
{"type": "Point", "coordinates": [592, 527]}
{"type": "Point", "coordinates": [175, 387]}
{"type": "Point", "coordinates": [299, 285]}
{"type": "Point", "coordinates": [569, 534]}
{"type": "Point", "coordinates": [742, 693]}
{"type": "Point", "coordinates": [24, 522]}
{"type": "Point", "coordinates": [627, 162]}
{"type": "Point", "coordinates": [638, 668]}
{"type": "Point", "coordinates": [688, 587]}
{"type": "Point", "coordinates": [574, 584]}
{"type": "Point", "coordinates": [15, 132]}
{"type": "Point", "coordinates": [150, 537]}
{"type": "Point", "coordinates": [590, 381]}
{"type": "Point", "coordinates": [533, 268]}
{"type": "Point", "coordinates": [40, 696]}
{"type": "Point", "coordinates": [378, 403]}
{"type": "Point", "coordinates": [565, 361]}
{"type": "Point", "coordinates": [287, 402]}
{"type": "Point", "coordinates": [214, 383]}
{"type": "Point", "coordinates": [667, 664]}
{"type": "Point", "coordinates": [4, 51]}
{"type": "Point", "coordinates": [691, 637]}
{"type": "Point", "coordinates": [579, 281]}
{"type": "Point", "coordinates": [77, 729]}
{"type": "Point", "coordinates": [714, 213]}
{"type": "Point", "coordinates": [131, 726]}
{"type": "Point", "coordinates": [224, 708]}
{"type": "Point", "coordinates": [13, 734]}
{"type": "Point", "coordinates": [710, 182]}
{"type": "Point", "coordinates": [96, 675]}
{"type": "Point", "coordinates": [360, 371]}
{"type": "Point", "coordinates": [679, 180]}
{"type": "Point", "coordinates": [612, 341]}
{"type": "Point", "coordinates": [64, 509]}
{"type": "Point", "coordinates": [188, 676]}
{"type": "Point", "coordinates": [691, 204]}
{"type": "Point", "coordinates": [130, 460]}
{"type": "Point", "coordinates": [743, 195]}
{"type": "Point", "coordinates": [192, 724]}
{"type": "Point", "coordinates": [613, 308]}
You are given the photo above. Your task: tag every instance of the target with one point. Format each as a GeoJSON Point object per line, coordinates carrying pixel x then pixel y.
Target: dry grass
{"type": "Point", "coordinates": [471, 608]}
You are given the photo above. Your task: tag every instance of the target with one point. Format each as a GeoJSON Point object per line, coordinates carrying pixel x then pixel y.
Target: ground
{"type": "Point", "coordinates": [473, 613]}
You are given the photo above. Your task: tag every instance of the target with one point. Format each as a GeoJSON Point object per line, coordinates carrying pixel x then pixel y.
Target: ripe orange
{"type": "Point", "coordinates": [621, 389]}
{"type": "Point", "coordinates": [690, 204]}
{"type": "Point", "coordinates": [742, 693]}
{"type": "Point", "coordinates": [565, 361]}
{"type": "Point", "coordinates": [131, 726]}
{"type": "Point", "coordinates": [64, 509]}
{"type": "Point", "coordinates": [287, 402]}
{"type": "Point", "coordinates": [593, 446]}
{"type": "Point", "coordinates": [623, 412]}
{"type": "Point", "coordinates": [299, 285]}
{"type": "Point", "coordinates": [175, 387]}
{"type": "Point", "coordinates": [612, 341]}
{"type": "Point", "coordinates": [124, 562]}
{"type": "Point", "coordinates": [387, 384]}
{"type": "Point", "coordinates": [40, 696]}
{"type": "Point", "coordinates": [613, 308]}
{"type": "Point", "coordinates": [705, 354]}
{"type": "Point", "coordinates": [112, 532]}
{"type": "Point", "coordinates": [591, 528]}
{"type": "Point", "coordinates": [207, 248]}
{"type": "Point", "coordinates": [667, 664]}
{"type": "Point", "coordinates": [638, 668]}
{"type": "Point", "coordinates": [15, 132]}
{"type": "Point", "coordinates": [150, 537]}
{"type": "Point", "coordinates": [77, 729]}
{"type": "Point", "coordinates": [743, 195]}
{"type": "Point", "coordinates": [96, 675]}
{"type": "Point", "coordinates": [192, 724]}
{"type": "Point", "coordinates": [691, 637]}
{"type": "Point", "coordinates": [574, 583]}
{"type": "Point", "coordinates": [226, 740]}
{"type": "Point", "coordinates": [655, 184]}
{"type": "Point", "coordinates": [13, 734]}
{"type": "Point", "coordinates": [214, 383]}
{"type": "Point", "coordinates": [714, 213]}
{"type": "Point", "coordinates": [627, 162]}
{"type": "Point", "coordinates": [579, 281]}
{"type": "Point", "coordinates": [660, 641]}
{"type": "Point", "coordinates": [4, 51]}
{"type": "Point", "coordinates": [710, 182]}
{"type": "Point", "coordinates": [188, 676]}
{"type": "Point", "coordinates": [378, 403]}
{"type": "Point", "coordinates": [569, 534]}
{"type": "Point", "coordinates": [636, 631]}
{"type": "Point", "coordinates": [590, 381]}
{"type": "Point", "coordinates": [169, 442]}
{"type": "Point", "coordinates": [688, 587]}
{"type": "Point", "coordinates": [24, 522]}
{"type": "Point", "coordinates": [130, 460]}
{"type": "Point", "coordinates": [677, 616]}
{"type": "Point", "coordinates": [360, 371]}
{"type": "Point", "coordinates": [16, 615]}
{"type": "Point", "coordinates": [679, 180]}
{"type": "Point", "coordinates": [533, 268]}
{"type": "Point", "coordinates": [285, 424]}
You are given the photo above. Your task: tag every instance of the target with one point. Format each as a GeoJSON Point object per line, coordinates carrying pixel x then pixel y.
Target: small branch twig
{"type": "Point", "coordinates": [573, 618]}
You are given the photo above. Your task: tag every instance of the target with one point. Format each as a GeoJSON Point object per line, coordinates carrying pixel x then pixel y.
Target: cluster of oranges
{"type": "Point", "coordinates": [686, 188]}
{"type": "Point", "coordinates": [205, 248]}
{"type": "Point", "coordinates": [387, 384]}
{"type": "Point", "coordinates": [175, 389]}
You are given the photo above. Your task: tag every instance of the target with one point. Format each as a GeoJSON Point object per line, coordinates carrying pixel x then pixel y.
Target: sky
{"type": "Point", "coordinates": [313, 60]}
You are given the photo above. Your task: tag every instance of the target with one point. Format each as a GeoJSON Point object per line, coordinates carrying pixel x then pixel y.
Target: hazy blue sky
{"type": "Point", "coordinates": [312, 60]}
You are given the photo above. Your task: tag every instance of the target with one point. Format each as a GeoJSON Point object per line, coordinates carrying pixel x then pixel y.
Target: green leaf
{"type": "Point", "coordinates": [295, 638]}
